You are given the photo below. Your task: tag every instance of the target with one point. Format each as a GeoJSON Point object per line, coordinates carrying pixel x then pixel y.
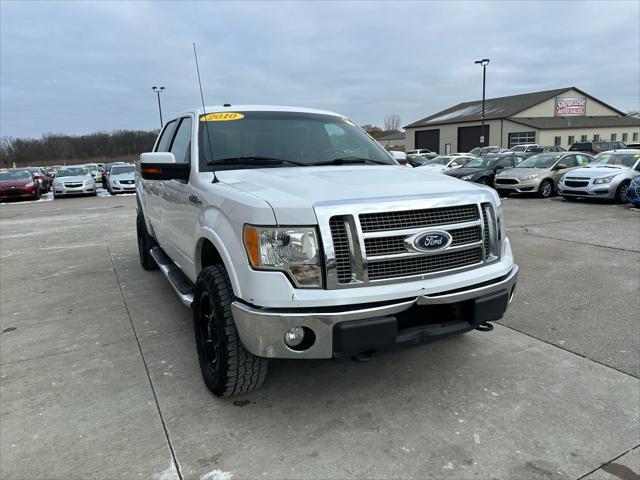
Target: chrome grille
{"type": "Point", "coordinates": [392, 245]}
{"type": "Point", "coordinates": [341, 248]}
{"type": "Point", "coordinates": [405, 267]}
{"type": "Point", "coordinates": [376, 222]}
{"type": "Point", "coordinates": [485, 222]}
{"type": "Point", "coordinates": [73, 184]}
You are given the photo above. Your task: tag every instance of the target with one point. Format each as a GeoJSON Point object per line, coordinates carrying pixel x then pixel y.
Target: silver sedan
{"type": "Point", "coordinates": [73, 181]}
{"type": "Point", "coordinates": [540, 173]}
{"type": "Point", "coordinates": [608, 176]}
{"type": "Point", "coordinates": [121, 179]}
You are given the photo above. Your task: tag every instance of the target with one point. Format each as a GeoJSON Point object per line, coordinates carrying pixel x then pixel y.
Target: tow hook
{"type": "Point", "coordinates": [485, 327]}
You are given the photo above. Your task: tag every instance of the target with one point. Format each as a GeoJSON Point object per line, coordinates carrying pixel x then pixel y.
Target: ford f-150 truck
{"type": "Point", "coordinates": [292, 234]}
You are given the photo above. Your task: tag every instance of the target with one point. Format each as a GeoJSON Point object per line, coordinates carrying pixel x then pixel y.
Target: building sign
{"type": "Point", "coordinates": [570, 106]}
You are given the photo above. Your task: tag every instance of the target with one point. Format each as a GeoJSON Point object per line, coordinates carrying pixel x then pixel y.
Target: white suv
{"type": "Point", "coordinates": [292, 234]}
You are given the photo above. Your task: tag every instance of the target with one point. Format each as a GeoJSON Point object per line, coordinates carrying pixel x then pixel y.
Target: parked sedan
{"type": "Point", "coordinates": [95, 171]}
{"type": "Point", "coordinates": [121, 179]}
{"type": "Point", "coordinates": [18, 183]}
{"type": "Point", "coordinates": [73, 181]}
{"type": "Point", "coordinates": [444, 163]}
{"type": "Point", "coordinates": [633, 192]}
{"type": "Point", "coordinates": [608, 176]}
{"type": "Point", "coordinates": [482, 170]}
{"type": "Point", "coordinates": [540, 173]}
{"type": "Point", "coordinates": [481, 151]}
{"type": "Point", "coordinates": [41, 178]}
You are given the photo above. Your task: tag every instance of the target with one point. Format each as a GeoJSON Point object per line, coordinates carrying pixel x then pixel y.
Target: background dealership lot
{"type": "Point", "coordinates": [552, 392]}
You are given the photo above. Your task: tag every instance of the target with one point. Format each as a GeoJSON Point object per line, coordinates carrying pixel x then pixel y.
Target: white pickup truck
{"type": "Point", "coordinates": [292, 234]}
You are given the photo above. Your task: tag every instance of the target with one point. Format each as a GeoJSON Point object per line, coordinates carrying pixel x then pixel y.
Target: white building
{"type": "Point", "coordinates": [553, 117]}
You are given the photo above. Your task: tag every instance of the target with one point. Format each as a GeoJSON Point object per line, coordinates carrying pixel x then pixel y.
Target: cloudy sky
{"type": "Point", "coordinates": [78, 67]}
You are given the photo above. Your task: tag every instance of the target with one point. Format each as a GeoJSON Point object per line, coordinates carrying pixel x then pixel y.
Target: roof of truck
{"type": "Point", "coordinates": [257, 108]}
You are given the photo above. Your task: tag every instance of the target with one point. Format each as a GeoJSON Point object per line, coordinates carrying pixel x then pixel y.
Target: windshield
{"type": "Point", "coordinates": [539, 161]}
{"type": "Point", "coordinates": [618, 159]}
{"type": "Point", "coordinates": [484, 162]}
{"type": "Point", "coordinates": [475, 151]}
{"type": "Point", "coordinates": [14, 175]}
{"type": "Point", "coordinates": [299, 138]}
{"type": "Point", "coordinates": [124, 169]}
{"type": "Point", "coordinates": [72, 172]}
{"type": "Point", "coordinates": [519, 148]}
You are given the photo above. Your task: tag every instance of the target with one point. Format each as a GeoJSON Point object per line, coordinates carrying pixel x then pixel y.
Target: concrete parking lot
{"type": "Point", "coordinates": [99, 376]}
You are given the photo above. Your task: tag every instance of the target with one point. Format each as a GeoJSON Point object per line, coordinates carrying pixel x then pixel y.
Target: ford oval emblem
{"type": "Point", "coordinates": [431, 242]}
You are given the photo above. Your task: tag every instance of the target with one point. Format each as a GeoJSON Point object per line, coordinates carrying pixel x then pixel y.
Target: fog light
{"type": "Point", "coordinates": [294, 336]}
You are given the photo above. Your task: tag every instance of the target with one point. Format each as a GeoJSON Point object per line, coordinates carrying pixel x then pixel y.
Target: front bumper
{"type": "Point", "coordinates": [603, 190]}
{"type": "Point", "coordinates": [18, 193]}
{"type": "Point", "coordinates": [524, 186]}
{"type": "Point", "coordinates": [82, 190]}
{"type": "Point", "coordinates": [343, 330]}
{"type": "Point", "coordinates": [123, 187]}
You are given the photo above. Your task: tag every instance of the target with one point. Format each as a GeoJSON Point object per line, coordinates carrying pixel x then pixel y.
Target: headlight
{"type": "Point", "coordinates": [529, 177]}
{"type": "Point", "coordinates": [29, 185]}
{"type": "Point", "coordinates": [293, 250]}
{"type": "Point", "coordinates": [57, 184]}
{"type": "Point", "coordinates": [114, 180]}
{"type": "Point", "coordinates": [467, 177]}
{"type": "Point", "coordinates": [599, 181]}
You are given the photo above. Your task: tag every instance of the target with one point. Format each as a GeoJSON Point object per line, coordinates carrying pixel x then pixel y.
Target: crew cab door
{"type": "Point", "coordinates": [181, 207]}
{"type": "Point", "coordinates": [153, 188]}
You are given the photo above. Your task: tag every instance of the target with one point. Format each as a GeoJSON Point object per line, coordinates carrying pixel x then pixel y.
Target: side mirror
{"type": "Point", "coordinates": [162, 166]}
{"type": "Point", "coordinates": [561, 166]}
{"type": "Point", "coordinates": [499, 167]}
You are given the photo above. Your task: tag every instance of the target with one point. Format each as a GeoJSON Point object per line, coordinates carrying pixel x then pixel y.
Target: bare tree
{"type": "Point", "coordinates": [392, 123]}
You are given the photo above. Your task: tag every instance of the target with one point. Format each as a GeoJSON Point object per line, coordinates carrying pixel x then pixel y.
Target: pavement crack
{"type": "Point", "coordinates": [146, 367]}
{"type": "Point", "coordinates": [526, 232]}
{"type": "Point", "coordinates": [604, 465]}
{"type": "Point", "coordinates": [570, 351]}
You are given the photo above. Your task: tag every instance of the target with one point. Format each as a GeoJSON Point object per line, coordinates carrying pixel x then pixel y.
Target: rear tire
{"type": "Point", "coordinates": [622, 193]}
{"type": "Point", "coordinates": [545, 190]}
{"type": "Point", "coordinates": [227, 367]}
{"type": "Point", "coordinates": [145, 244]}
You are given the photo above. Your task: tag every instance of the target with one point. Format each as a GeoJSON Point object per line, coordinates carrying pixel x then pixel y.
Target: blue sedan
{"type": "Point", "coordinates": [633, 192]}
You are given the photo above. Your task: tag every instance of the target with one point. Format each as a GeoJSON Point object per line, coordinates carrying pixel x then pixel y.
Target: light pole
{"type": "Point", "coordinates": [484, 62]}
{"type": "Point", "coordinates": [158, 90]}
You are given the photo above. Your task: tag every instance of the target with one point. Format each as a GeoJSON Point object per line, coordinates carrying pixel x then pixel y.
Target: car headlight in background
{"type": "Point", "coordinates": [29, 185]}
{"type": "Point", "coordinates": [602, 180]}
{"type": "Point", "coordinates": [293, 250]}
{"type": "Point", "coordinates": [530, 177]}
{"type": "Point", "coordinates": [467, 177]}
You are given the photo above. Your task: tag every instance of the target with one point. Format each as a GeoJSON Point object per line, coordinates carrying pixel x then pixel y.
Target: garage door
{"type": "Point", "coordinates": [429, 139]}
{"type": "Point", "coordinates": [469, 137]}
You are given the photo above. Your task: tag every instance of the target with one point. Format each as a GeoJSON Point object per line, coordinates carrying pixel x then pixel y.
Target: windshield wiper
{"type": "Point", "coordinates": [255, 160]}
{"type": "Point", "coordinates": [348, 160]}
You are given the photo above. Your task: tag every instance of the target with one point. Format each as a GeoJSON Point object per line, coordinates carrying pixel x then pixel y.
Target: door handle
{"type": "Point", "coordinates": [195, 199]}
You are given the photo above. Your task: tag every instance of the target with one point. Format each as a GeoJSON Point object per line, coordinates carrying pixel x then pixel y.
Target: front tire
{"type": "Point", "coordinates": [545, 190]}
{"type": "Point", "coordinates": [145, 244]}
{"type": "Point", "coordinates": [622, 193]}
{"type": "Point", "coordinates": [484, 181]}
{"type": "Point", "coordinates": [227, 367]}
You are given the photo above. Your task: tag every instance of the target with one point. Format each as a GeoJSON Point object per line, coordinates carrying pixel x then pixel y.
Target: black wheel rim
{"type": "Point", "coordinates": [208, 334]}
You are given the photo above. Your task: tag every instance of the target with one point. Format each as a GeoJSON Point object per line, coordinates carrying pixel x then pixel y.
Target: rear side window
{"type": "Point", "coordinates": [165, 138]}
{"type": "Point", "coordinates": [182, 141]}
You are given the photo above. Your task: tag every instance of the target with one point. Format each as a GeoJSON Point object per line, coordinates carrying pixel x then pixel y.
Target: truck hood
{"type": "Point", "coordinates": [293, 192]}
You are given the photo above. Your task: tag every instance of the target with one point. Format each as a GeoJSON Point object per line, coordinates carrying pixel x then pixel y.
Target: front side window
{"type": "Point", "coordinates": [166, 137]}
{"type": "Point", "coordinates": [284, 139]}
{"type": "Point", "coordinates": [182, 141]}
{"type": "Point", "coordinates": [583, 160]}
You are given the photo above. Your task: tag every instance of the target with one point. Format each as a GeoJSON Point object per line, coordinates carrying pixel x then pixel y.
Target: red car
{"type": "Point", "coordinates": [18, 183]}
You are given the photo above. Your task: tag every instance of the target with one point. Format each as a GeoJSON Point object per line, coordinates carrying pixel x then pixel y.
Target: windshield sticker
{"type": "Point", "coordinates": [637, 155]}
{"type": "Point", "coordinates": [221, 117]}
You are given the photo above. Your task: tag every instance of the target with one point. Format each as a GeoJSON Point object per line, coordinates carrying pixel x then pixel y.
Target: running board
{"type": "Point", "coordinates": [177, 279]}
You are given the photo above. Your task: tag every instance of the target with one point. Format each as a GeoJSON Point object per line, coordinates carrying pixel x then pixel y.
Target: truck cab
{"type": "Point", "coordinates": [291, 233]}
